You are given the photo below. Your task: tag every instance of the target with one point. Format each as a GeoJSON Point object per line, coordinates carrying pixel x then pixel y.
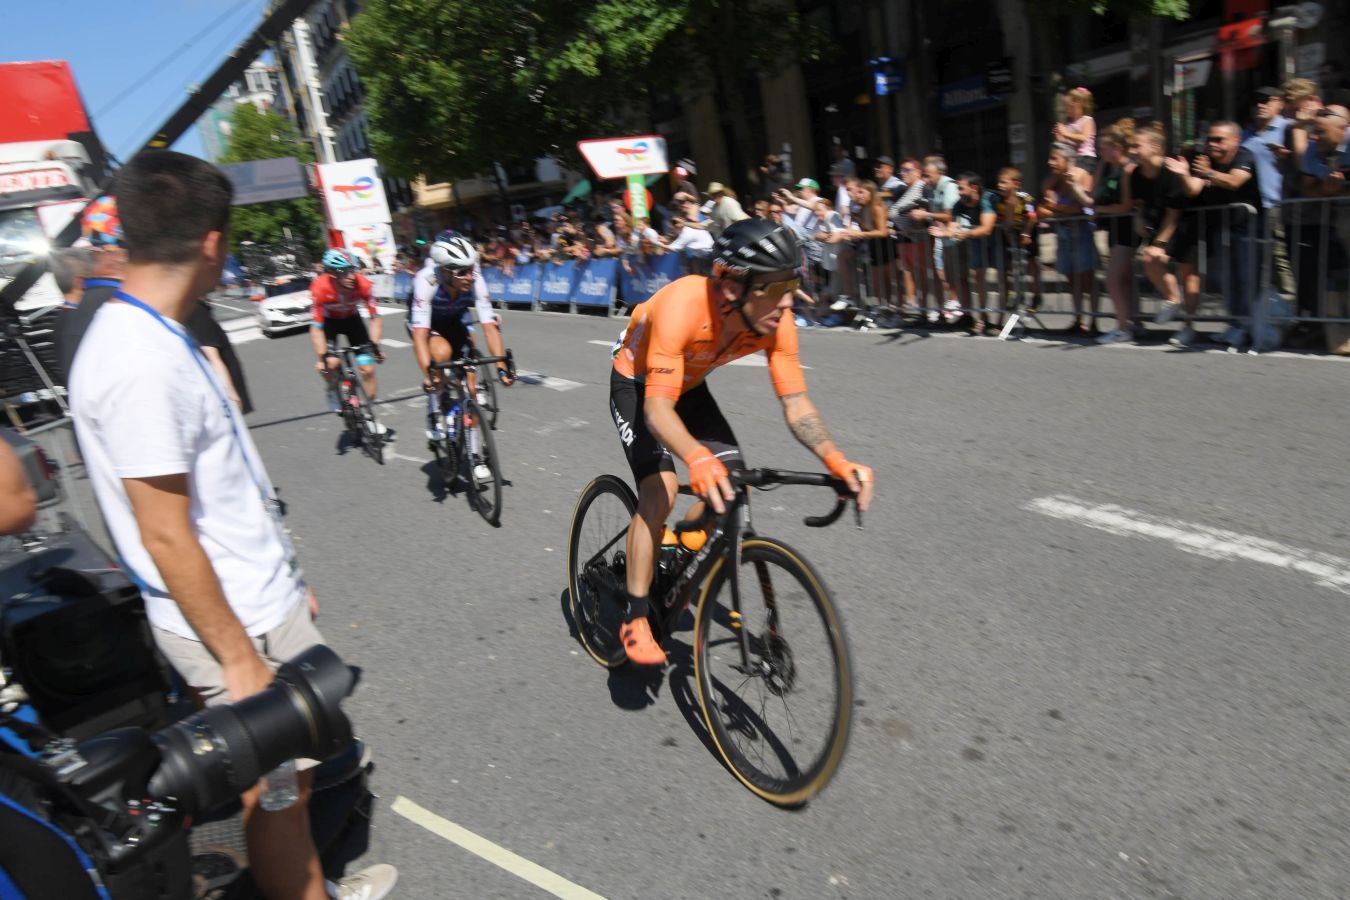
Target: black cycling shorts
{"type": "Point", "coordinates": [697, 410]}
{"type": "Point", "coordinates": [352, 328]}
{"type": "Point", "coordinates": [453, 329]}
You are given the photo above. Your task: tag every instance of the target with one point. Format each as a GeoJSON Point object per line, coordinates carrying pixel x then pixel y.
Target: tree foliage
{"type": "Point", "coordinates": [457, 85]}
{"type": "Point", "coordinates": [256, 134]}
{"type": "Point", "coordinates": [1165, 9]}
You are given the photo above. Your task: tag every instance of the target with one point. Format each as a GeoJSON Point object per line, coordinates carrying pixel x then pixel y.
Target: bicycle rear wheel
{"type": "Point", "coordinates": [484, 493]}
{"type": "Point", "coordinates": [781, 723]}
{"type": "Point", "coordinates": [597, 566]}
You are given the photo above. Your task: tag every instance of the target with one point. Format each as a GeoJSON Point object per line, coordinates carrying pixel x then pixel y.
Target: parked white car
{"type": "Point", "coordinates": [284, 305]}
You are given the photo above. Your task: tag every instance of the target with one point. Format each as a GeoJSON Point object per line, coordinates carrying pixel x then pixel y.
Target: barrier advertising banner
{"type": "Point", "coordinates": [555, 282]}
{"type": "Point", "coordinates": [495, 279]}
{"type": "Point", "coordinates": [593, 284]}
{"type": "Point", "coordinates": [522, 285]}
{"type": "Point", "coordinates": [649, 277]}
{"type": "Point", "coordinates": [353, 193]}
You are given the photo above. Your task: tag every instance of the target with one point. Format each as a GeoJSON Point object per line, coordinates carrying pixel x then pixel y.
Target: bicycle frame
{"type": "Point", "coordinates": [729, 530]}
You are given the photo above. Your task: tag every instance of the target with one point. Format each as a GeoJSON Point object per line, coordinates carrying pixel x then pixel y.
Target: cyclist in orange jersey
{"type": "Point", "coordinates": [661, 405]}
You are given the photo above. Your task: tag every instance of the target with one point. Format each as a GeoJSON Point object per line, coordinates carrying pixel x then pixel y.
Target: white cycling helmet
{"type": "Point", "coordinates": [454, 253]}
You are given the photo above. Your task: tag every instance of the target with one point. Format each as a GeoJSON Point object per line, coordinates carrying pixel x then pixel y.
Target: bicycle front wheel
{"type": "Point", "coordinates": [364, 412]}
{"type": "Point", "coordinates": [485, 474]}
{"type": "Point", "coordinates": [780, 717]}
{"type": "Point", "coordinates": [597, 566]}
{"type": "Point", "coordinates": [487, 394]}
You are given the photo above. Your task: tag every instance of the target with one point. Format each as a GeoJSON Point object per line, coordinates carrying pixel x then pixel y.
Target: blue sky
{"type": "Point", "coordinates": [111, 46]}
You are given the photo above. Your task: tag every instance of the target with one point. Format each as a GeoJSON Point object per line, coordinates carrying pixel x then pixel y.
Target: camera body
{"type": "Point", "coordinates": [123, 799]}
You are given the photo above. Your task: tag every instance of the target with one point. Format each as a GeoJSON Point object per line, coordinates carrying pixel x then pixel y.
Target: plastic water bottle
{"type": "Point", "coordinates": [280, 788]}
{"type": "Point", "coordinates": [451, 418]}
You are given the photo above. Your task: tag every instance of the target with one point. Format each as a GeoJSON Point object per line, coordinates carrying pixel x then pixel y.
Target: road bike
{"type": "Point", "coordinates": [487, 393]}
{"type": "Point", "coordinates": [464, 442]}
{"type": "Point", "coordinates": [354, 404]}
{"type": "Point", "coordinates": [771, 662]}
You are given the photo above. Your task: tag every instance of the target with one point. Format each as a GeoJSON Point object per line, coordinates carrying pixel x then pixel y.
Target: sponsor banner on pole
{"type": "Point", "coordinates": [624, 156]}
{"type": "Point", "coordinates": [594, 282]}
{"type": "Point", "coordinates": [555, 282]}
{"type": "Point", "coordinates": [649, 277]}
{"type": "Point", "coordinates": [353, 193]}
{"type": "Point", "coordinates": [523, 284]}
{"type": "Point", "coordinates": [637, 196]}
{"type": "Point", "coordinates": [373, 243]}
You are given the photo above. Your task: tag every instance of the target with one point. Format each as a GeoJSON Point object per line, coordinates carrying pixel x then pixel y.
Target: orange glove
{"type": "Point", "coordinates": [843, 469]}
{"type": "Point", "coordinates": [705, 471]}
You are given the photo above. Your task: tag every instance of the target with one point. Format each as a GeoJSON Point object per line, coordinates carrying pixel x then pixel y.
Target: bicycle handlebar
{"type": "Point", "coordinates": [766, 478]}
{"type": "Point", "coordinates": [477, 361]}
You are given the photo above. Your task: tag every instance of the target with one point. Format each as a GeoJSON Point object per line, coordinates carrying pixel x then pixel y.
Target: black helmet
{"type": "Point", "coordinates": [754, 247]}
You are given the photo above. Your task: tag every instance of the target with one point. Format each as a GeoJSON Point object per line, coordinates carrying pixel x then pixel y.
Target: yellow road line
{"type": "Point", "coordinates": [517, 865]}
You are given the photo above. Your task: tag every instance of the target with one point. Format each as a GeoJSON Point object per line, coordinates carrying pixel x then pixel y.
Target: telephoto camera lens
{"type": "Point", "coordinates": [215, 755]}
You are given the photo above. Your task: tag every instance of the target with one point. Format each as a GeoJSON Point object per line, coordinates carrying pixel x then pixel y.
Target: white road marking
{"type": "Point", "coordinates": [243, 323]}
{"type": "Point", "coordinates": [548, 381]}
{"type": "Point", "coordinates": [1213, 543]}
{"type": "Point", "coordinates": [245, 335]}
{"type": "Point", "coordinates": [394, 342]}
{"type": "Point", "coordinates": [411, 459]}
{"type": "Point", "coordinates": [517, 865]}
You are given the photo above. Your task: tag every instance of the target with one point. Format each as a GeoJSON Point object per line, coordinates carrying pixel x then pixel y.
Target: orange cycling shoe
{"type": "Point", "coordinates": [638, 643]}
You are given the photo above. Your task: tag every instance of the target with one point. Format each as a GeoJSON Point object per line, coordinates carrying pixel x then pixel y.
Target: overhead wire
{"type": "Point", "coordinates": [212, 59]}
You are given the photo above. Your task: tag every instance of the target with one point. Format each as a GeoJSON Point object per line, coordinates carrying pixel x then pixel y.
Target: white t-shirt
{"type": "Point", "coordinates": [143, 407]}
{"type": "Point", "coordinates": [692, 239]}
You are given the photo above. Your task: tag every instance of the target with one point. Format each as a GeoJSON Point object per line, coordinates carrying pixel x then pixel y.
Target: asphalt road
{"type": "Point", "coordinates": [1098, 618]}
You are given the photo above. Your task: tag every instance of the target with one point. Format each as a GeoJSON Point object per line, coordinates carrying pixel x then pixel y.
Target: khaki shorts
{"type": "Point", "coordinates": [206, 679]}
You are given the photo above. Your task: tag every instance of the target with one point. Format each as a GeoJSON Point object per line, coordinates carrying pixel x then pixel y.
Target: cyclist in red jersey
{"type": "Point", "coordinates": [339, 293]}
{"type": "Point", "coordinates": [662, 407]}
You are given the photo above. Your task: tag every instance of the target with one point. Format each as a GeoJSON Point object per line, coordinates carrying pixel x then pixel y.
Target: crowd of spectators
{"type": "Point", "coordinates": [1123, 207]}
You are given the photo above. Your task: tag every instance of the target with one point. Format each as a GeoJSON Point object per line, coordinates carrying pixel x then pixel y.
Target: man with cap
{"type": "Point", "coordinates": [726, 208]}
{"type": "Point", "coordinates": [1267, 139]}
{"type": "Point", "coordinates": [883, 173]}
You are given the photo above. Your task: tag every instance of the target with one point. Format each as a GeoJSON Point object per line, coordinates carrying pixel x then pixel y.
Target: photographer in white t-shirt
{"type": "Point", "coordinates": [183, 490]}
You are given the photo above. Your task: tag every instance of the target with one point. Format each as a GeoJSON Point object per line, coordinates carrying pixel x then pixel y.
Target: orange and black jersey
{"type": "Point", "coordinates": [676, 338]}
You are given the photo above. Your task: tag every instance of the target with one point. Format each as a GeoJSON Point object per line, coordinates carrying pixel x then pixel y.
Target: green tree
{"type": "Point", "coordinates": [1164, 9]}
{"type": "Point", "coordinates": [457, 85]}
{"type": "Point", "coordinates": [256, 134]}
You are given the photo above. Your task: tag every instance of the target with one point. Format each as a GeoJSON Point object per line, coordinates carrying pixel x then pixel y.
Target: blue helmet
{"type": "Point", "coordinates": [336, 260]}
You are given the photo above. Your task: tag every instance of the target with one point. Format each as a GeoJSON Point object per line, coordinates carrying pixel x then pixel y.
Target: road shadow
{"type": "Point", "coordinates": [437, 484]}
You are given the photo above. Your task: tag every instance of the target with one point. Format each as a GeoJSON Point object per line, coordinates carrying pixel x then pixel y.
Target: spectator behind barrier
{"type": "Point", "coordinates": [1326, 174]}
{"type": "Point", "coordinates": [1111, 200]}
{"type": "Point", "coordinates": [1078, 129]}
{"type": "Point", "coordinates": [1067, 194]}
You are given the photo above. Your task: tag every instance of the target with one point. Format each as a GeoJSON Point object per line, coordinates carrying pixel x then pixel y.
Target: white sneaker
{"type": "Point", "coordinates": [839, 304]}
{"type": "Point", "coordinates": [1168, 312]}
{"type": "Point", "coordinates": [380, 428]}
{"type": "Point", "coordinates": [482, 397]}
{"type": "Point", "coordinates": [1116, 337]}
{"type": "Point", "coordinates": [482, 473]}
{"type": "Point", "coordinates": [371, 883]}
{"type": "Point", "coordinates": [1183, 338]}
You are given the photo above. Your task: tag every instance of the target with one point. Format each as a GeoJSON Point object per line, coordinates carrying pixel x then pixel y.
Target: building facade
{"type": "Point", "coordinates": [259, 86]}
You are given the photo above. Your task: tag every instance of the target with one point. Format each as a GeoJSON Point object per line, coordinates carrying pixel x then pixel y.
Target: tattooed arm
{"type": "Point", "coordinates": [806, 425]}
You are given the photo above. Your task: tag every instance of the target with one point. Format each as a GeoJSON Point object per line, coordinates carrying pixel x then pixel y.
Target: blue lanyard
{"type": "Point", "coordinates": [269, 500]}
{"type": "Point", "coordinates": [195, 351]}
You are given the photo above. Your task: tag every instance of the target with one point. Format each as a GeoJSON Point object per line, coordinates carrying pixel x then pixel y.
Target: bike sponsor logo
{"type": "Point", "coordinates": [625, 430]}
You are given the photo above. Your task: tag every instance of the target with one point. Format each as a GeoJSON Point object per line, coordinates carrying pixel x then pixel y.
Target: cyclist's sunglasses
{"type": "Point", "coordinates": [458, 271]}
{"type": "Point", "coordinates": [338, 273]}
